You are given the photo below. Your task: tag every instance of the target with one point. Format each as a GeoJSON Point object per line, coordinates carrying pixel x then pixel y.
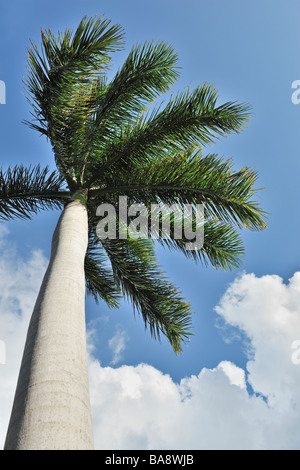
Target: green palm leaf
{"type": "Point", "coordinates": [189, 119]}
{"type": "Point", "coordinates": [190, 178]}
{"type": "Point", "coordinates": [100, 282]}
{"type": "Point", "coordinates": [148, 71]}
{"type": "Point", "coordinates": [25, 191]}
{"type": "Point", "coordinates": [57, 68]}
{"type": "Point", "coordinates": [61, 82]}
{"type": "Point", "coordinates": [156, 299]}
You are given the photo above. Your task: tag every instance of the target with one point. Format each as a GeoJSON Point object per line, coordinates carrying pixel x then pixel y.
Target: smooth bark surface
{"type": "Point", "coordinates": [51, 409]}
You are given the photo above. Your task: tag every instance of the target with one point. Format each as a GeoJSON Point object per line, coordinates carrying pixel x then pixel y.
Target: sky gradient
{"type": "Point", "coordinates": [235, 385]}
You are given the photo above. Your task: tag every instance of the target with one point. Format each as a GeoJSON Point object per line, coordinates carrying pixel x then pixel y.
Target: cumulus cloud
{"type": "Point", "coordinates": [235, 374]}
{"type": "Point", "coordinates": [268, 311]}
{"type": "Point", "coordinates": [142, 408]}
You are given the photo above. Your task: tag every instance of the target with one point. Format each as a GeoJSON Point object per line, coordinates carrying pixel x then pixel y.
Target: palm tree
{"type": "Point", "coordinates": [109, 140]}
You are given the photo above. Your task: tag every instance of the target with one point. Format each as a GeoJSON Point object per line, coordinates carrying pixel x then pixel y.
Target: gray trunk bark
{"type": "Point", "coordinates": [51, 409]}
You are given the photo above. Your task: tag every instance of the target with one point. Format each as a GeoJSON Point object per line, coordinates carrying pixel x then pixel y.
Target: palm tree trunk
{"type": "Point", "coordinates": [51, 409]}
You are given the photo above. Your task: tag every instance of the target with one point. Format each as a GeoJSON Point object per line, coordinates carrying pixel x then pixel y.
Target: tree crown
{"type": "Point", "coordinates": [106, 143]}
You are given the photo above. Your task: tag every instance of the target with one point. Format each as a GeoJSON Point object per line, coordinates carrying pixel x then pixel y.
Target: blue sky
{"type": "Point", "coordinates": [249, 51]}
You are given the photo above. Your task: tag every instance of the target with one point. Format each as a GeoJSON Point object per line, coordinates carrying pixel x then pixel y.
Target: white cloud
{"type": "Point", "coordinates": [142, 408]}
{"type": "Point", "coordinates": [268, 310]}
{"type": "Point", "coordinates": [139, 407]}
{"type": "Point", "coordinates": [118, 344]}
{"type": "Point", "coordinates": [235, 374]}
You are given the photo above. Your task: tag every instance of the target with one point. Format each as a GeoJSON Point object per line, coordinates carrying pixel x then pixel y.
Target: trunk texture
{"type": "Point", "coordinates": [51, 409]}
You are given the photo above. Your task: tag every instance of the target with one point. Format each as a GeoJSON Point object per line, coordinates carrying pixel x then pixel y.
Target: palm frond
{"type": "Point", "coordinates": [190, 178]}
{"type": "Point", "coordinates": [61, 83]}
{"type": "Point", "coordinates": [100, 282]}
{"type": "Point", "coordinates": [64, 60]}
{"type": "Point", "coordinates": [190, 119]}
{"type": "Point", "coordinates": [222, 245]}
{"type": "Point", "coordinates": [149, 70]}
{"type": "Point", "coordinates": [25, 191]}
{"type": "Point", "coordinates": [157, 300]}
